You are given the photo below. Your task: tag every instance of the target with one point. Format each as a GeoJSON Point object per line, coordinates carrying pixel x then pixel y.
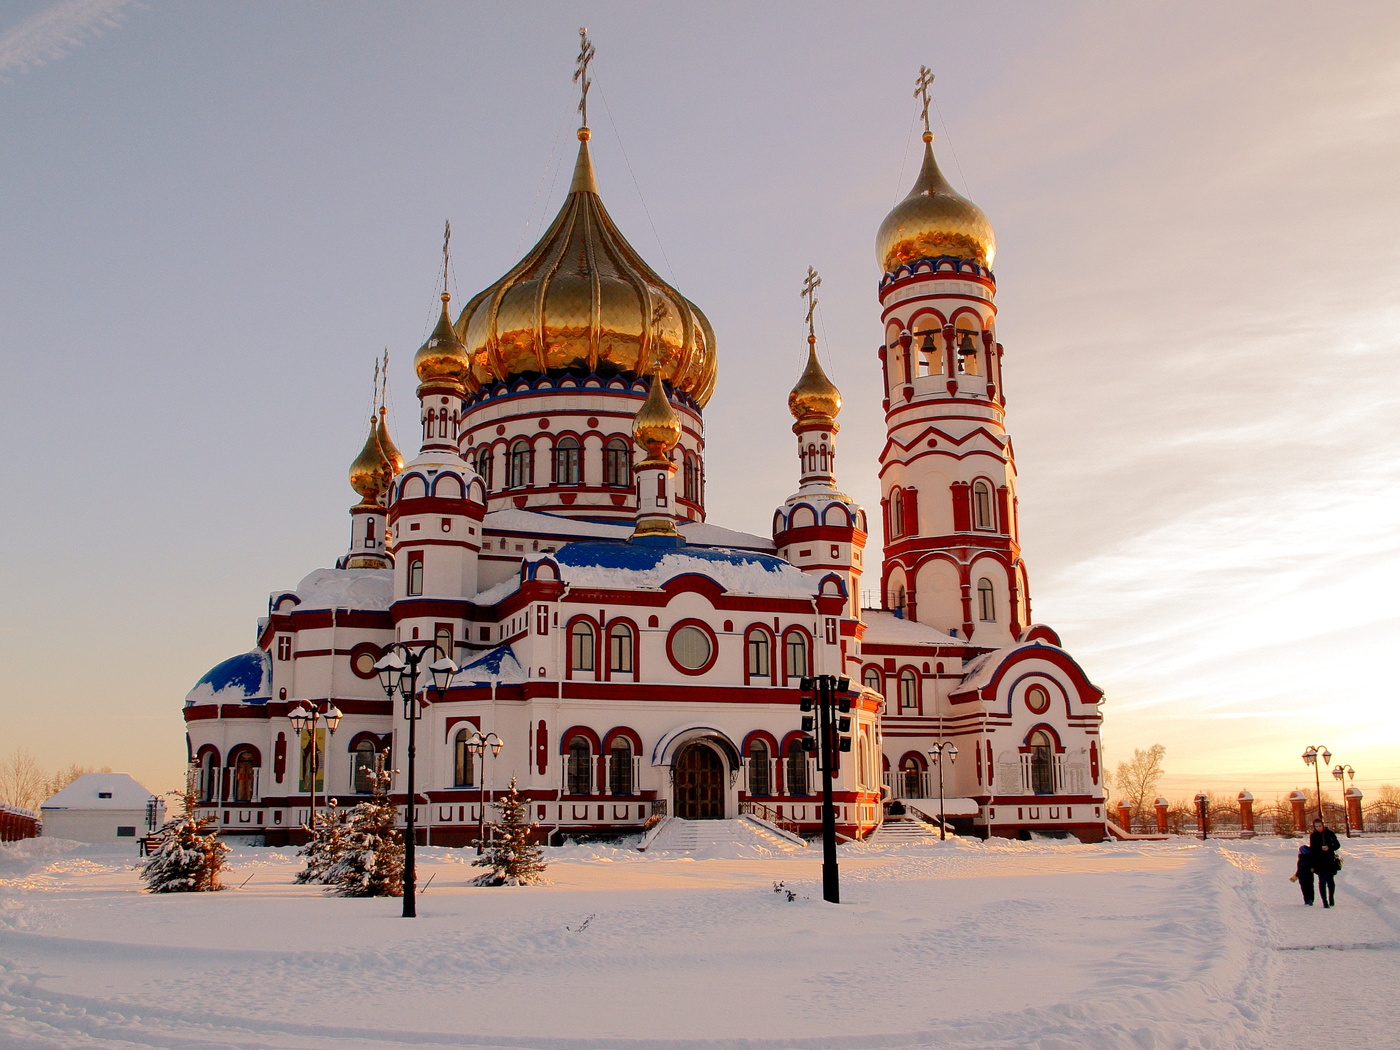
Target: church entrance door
{"type": "Point", "coordinates": [699, 777]}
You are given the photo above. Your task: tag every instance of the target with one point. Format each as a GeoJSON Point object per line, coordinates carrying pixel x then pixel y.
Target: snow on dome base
{"type": "Point", "coordinates": [370, 590]}
{"type": "Point", "coordinates": [627, 565]}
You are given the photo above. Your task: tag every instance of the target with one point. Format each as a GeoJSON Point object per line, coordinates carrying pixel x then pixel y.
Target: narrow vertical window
{"type": "Point", "coordinates": [567, 465]}
{"type": "Point", "coordinates": [520, 464]}
{"type": "Point", "coordinates": [443, 638]}
{"type": "Point", "coordinates": [982, 514]}
{"type": "Point", "coordinates": [617, 464]}
{"type": "Point", "coordinates": [873, 679]}
{"type": "Point", "coordinates": [370, 531]}
{"type": "Point", "coordinates": [796, 644]}
{"type": "Point", "coordinates": [796, 769]}
{"type": "Point", "coordinates": [484, 462]}
{"type": "Point", "coordinates": [415, 574]}
{"type": "Point", "coordinates": [759, 779]}
{"type": "Point", "coordinates": [760, 666]}
{"type": "Point", "coordinates": [908, 690]}
{"type": "Point", "coordinates": [362, 768]}
{"type": "Point", "coordinates": [620, 655]}
{"type": "Point", "coordinates": [581, 643]}
{"type": "Point", "coordinates": [986, 601]}
{"type": "Point", "coordinates": [620, 767]}
{"type": "Point", "coordinates": [579, 778]}
{"type": "Point", "coordinates": [463, 767]}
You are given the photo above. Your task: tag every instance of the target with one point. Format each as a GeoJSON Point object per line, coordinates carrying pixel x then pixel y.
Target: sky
{"type": "Point", "coordinates": [214, 217]}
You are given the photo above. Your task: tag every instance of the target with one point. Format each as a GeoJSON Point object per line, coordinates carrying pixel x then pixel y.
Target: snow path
{"type": "Point", "coordinates": [1012, 946]}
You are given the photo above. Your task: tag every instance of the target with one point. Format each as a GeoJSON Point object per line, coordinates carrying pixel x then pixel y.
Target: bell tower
{"type": "Point", "coordinates": [947, 472]}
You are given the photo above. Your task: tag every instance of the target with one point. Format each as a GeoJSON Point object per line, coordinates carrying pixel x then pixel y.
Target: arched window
{"type": "Point", "coordinates": [692, 486]}
{"type": "Point", "coordinates": [463, 766]}
{"type": "Point", "coordinates": [760, 664]}
{"type": "Point", "coordinates": [567, 462]}
{"type": "Point", "coordinates": [873, 679]}
{"type": "Point", "coordinates": [521, 464]}
{"type": "Point", "coordinates": [908, 690]}
{"type": "Point", "coordinates": [429, 424]}
{"type": "Point", "coordinates": [1042, 764]}
{"type": "Point", "coordinates": [758, 769]}
{"type": "Point", "coordinates": [617, 464]}
{"type": "Point", "coordinates": [581, 646]}
{"type": "Point", "coordinates": [369, 531]}
{"type": "Point", "coordinates": [911, 779]}
{"type": "Point", "coordinates": [967, 353]}
{"type": "Point", "coordinates": [621, 649]}
{"type": "Point", "coordinates": [796, 769]}
{"type": "Point", "coordinates": [620, 767]}
{"type": "Point", "coordinates": [986, 601]}
{"type": "Point", "coordinates": [982, 514]}
{"type": "Point", "coordinates": [930, 354]}
{"type": "Point", "coordinates": [245, 777]}
{"type": "Point", "coordinates": [796, 646]}
{"type": "Point", "coordinates": [415, 574]}
{"type": "Point", "coordinates": [896, 513]}
{"type": "Point", "coordinates": [484, 462]}
{"type": "Point", "coordinates": [579, 768]}
{"type": "Point", "coordinates": [362, 761]}
{"type": "Point", "coordinates": [442, 424]}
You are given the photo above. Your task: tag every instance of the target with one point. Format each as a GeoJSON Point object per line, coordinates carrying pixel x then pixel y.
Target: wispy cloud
{"type": "Point", "coordinates": [56, 32]}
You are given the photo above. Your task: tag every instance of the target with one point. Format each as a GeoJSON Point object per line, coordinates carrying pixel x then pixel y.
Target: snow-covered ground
{"type": "Point", "coordinates": [963, 944]}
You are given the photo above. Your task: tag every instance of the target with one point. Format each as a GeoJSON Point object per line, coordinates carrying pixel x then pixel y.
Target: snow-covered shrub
{"type": "Point", "coordinates": [326, 845]}
{"type": "Point", "coordinates": [188, 858]}
{"type": "Point", "coordinates": [513, 857]}
{"type": "Point", "coordinates": [371, 857]}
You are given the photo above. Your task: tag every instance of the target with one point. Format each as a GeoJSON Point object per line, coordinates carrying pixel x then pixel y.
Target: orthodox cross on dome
{"type": "Point", "coordinates": [446, 240]}
{"type": "Point", "coordinates": [585, 56]}
{"type": "Point", "coordinates": [921, 87]}
{"type": "Point", "coordinates": [382, 374]}
{"type": "Point", "coordinates": [809, 292]}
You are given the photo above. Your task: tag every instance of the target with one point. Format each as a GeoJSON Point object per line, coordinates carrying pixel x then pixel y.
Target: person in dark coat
{"type": "Point", "coordinates": [1304, 875]}
{"type": "Point", "coordinates": [1322, 851]}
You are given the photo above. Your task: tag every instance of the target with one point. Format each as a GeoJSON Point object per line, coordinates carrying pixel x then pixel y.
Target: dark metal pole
{"type": "Point", "coordinates": [410, 909]}
{"type": "Point", "coordinates": [1317, 783]}
{"type": "Point", "coordinates": [942, 807]}
{"type": "Point", "coordinates": [831, 884]}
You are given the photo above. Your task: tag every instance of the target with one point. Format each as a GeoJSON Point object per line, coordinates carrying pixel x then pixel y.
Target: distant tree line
{"type": "Point", "coordinates": [24, 783]}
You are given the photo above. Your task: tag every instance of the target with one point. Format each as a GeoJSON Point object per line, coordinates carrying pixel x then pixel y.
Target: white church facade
{"type": "Point", "coordinates": [635, 660]}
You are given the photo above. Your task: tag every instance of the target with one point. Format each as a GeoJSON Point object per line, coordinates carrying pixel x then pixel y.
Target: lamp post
{"type": "Point", "coordinates": [304, 717]}
{"type": "Point", "coordinates": [935, 755]}
{"type": "Point", "coordinates": [399, 669]}
{"type": "Point", "coordinates": [1342, 773]}
{"type": "Point", "coordinates": [1312, 754]}
{"type": "Point", "coordinates": [477, 745]}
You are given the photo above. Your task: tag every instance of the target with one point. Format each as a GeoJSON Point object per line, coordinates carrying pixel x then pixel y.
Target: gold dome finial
{"type": "Point", "coordinates": [933, 220]}
{"type": "Point", "coordinates": [443, 356]}
{"type": "Point", "coordinates": [815, 397]}
{"type": "Point", "coordinates": [369, 474]}
{"type": "Point", "coordinates": [657, 427]}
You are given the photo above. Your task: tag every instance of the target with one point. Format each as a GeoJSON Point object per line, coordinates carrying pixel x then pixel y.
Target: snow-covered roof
{"type": "Point", "coordinates": [882, 626]}
{"type": "Point", "coordinates": [123, 791]}
{"type": "Point", "coordinates": [242, 679]}
{"type": "Point", "coordinates": [498, 666]}
{"type": "Point", "coordinates": [629, 566]}
{"type": "Point", "coordinates": [502, 590]}
{"type": "Point", "coordinates": [981, 670]}
{"type": "Point", "coordinates": [698, 533]}
{"type": "Point", "coordinates": [369, 590]}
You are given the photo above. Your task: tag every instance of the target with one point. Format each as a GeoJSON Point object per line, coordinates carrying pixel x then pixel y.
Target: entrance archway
{"type": "Point", "coordinates": [699, 779]}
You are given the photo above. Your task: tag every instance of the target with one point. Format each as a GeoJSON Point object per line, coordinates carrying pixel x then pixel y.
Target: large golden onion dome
{"type": "Point", "coordinates": [392, 456]}
{"type": "Point", "coordinates": [443, 356]}
{"type": "Point", "coordinates": [815, 396]}
{"type": "Point", "coordinates": [583, 298]}
{"type": "Point", "coordinates": [934, 221]}
{"type": "Point", "coordinates": [657, 426]}
{"type": "Point", "coordinates": [371, 472]}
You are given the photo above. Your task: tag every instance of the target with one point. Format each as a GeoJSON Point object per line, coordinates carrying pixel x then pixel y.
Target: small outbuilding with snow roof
{"type": "Point", "coordinates": [102, 807]}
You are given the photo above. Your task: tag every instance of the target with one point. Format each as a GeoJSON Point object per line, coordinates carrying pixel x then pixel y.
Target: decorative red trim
{"type": "Point", "coordinates": [588, 734]}
{"type": "Point", "coordinates": [238, 749]}
{"type": "Point", "coordinates": [622, 731]}
{"type": "Point", "coordinates": [636, 673]}
{"type": "Point", "coordinates": [749, 675]}
{"type": "Point", "coordinates": [676, 627]}
{"type": "Point", "coordinates": [473, 720]}
{"type": "Point", "coordinates": [1048, 730]}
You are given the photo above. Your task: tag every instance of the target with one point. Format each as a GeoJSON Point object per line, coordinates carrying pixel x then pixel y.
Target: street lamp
{"type": "Point", "coordinates": [1311, 756]}
{"type": "Point", "coordinates": [477, 745]}
{"type": "Point", "coordinates": [303, 717]}
{"type": "Point", "coordinates": [399, 669]}
{"type": "Point", "coordinates": [936, 754]}
{"type": "Point", "coordinates": [1342, 773]}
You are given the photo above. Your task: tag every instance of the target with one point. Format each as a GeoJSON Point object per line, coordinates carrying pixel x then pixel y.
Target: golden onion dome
{"type": "Point", "coordinates": [814, 395]}
{"type": "Point", "coordinates": [657, 426]}
{"type": "Point", "coordinates": [934, 221]}
{"type": "Point", "coordinates": [392, 456]}
{"type": "Point", "coordinates": [370, 473]}
{"type": "Point", "coordinates": [582, 298]}
{"type": "Point", "coordinates": [443, 356]}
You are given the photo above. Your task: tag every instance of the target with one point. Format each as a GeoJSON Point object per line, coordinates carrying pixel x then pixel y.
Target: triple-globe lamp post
{"type": "Point", "coordinates": [936, 754]}
{"type": "Point", "coordinates": [1317, 755]}
{"type": "Point", "coordinates": [477, 745]}
{"type": "Point", "coordinates": [1343, 773]}
{"type": "Point", "coordinates": [399, 670]}
{"type": "Point", "coordinates": [304, 717]}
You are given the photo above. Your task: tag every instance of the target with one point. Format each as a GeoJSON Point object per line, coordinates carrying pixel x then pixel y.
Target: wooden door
{"type": "Point", "coordinates": [699, 775]}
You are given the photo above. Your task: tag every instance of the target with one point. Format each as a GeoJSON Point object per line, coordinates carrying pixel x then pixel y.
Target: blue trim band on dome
{"type": "Point", "coordinates": [602, 554]}
{"type": "Point", "coordinates": [570, 381]}
{"type": "Point", "coordinates": [930, 265]}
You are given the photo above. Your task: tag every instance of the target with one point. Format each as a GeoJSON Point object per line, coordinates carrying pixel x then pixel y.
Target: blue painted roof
{"type": "Point", "coordinates": [604, 555]}
{"type": "Point", "coordinates": [246, 678]}
{"type": "Point", "coordinates": [498, 665]}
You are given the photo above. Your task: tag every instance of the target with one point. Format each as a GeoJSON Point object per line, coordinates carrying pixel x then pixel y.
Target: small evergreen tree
{"type": "Point", "coordinates": [188, 858]}
{"type": "Point", "coordinates": [325, 847]}
{"type": "Point", "coordinates": [513, 857]}
{"type": "Point", "coordinates": [371, 859]}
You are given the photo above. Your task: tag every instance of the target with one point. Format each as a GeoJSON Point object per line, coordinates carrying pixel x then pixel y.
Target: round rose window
{"type": "Point", "coordinates": [1038, 699]}
{"type": "Point", "coordinates": [690, 647]}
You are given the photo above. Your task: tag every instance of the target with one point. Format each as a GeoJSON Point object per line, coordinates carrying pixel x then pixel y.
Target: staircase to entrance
{"type": "Point", "coordinates": [701, 836]}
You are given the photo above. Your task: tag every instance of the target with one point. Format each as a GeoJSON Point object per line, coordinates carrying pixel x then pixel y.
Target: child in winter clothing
{"type": "Point", "coordinates": [1304, 875]}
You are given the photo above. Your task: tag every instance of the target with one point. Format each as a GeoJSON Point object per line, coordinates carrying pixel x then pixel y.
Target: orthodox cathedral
{"type": "Point", "coordinates": [622, 657]}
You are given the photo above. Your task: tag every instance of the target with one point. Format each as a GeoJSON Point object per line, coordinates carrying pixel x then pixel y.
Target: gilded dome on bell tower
{"type": "Point", "coordinates": [583, 299]}
{"type": "Point", "coordinates": [934, 221]}
{"type": "Point", "coordinates": [815, 397]}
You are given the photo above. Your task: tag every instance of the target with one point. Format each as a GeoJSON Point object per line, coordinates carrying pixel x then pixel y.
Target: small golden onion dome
{"type": "Point", "coordinates": [392, 456]}
{"type": "Point", "coordinates": [814, 394]}
{"type": "Point", "coordinates": [657, 426]}
{"type": "Point", "coordinates": [369, 474]}
{"type": "Point", "coordinates": [934, 221]}
{"type": "Point", "coordinates": [582, 298]}
{"type": "Point", "coordinates": [443, 356]}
